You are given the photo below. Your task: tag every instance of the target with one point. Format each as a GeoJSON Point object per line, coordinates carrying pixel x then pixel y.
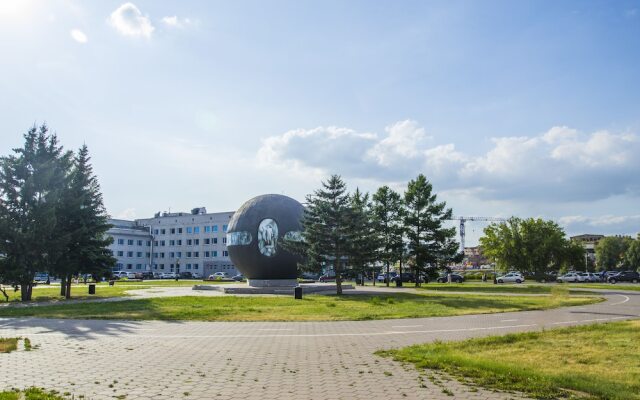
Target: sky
{"type": "Point", "coordinates": [527, 108]}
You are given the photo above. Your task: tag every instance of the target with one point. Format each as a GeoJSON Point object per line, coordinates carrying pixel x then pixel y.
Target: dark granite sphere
{"type": "Point", "coordinates": [255, 234]}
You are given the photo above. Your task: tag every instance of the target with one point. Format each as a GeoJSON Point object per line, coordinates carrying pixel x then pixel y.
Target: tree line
{"type": "Point", "coordinates": [618, 253]}
{"type": "Point", "coordinates": [360, 233]}
{"type": "Point", "coordinates": [52, 217]}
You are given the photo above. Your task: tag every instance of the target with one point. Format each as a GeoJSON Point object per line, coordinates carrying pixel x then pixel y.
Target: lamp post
{"type": "Point", "coordinates": [177, 269]}
{"type": "Point", "coordinates": [586, 262]}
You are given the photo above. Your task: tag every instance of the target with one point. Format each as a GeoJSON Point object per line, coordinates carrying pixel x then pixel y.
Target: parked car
{"type": "Point", "coordinates": [41, 278]}
{"type": "Point", "coordinates": [545, 277]}
{"type": "Point", "coordinates": [124, 274]}
{"type": "Point", "coordinates": [571, 277]}
{"type": "Point", "coordinates": [328, 277]}
{"type": "Point", "coordinates": [625, 276]}
{"type": "Point", "coordinates": [406, 277]}
{"type": "Point", "coordinates": [455, 278]}
{"type": "Point", "coordinates": [593, 277]}
{"type": "Point", "coordinates": [168, 275]}
{"type": "Point", "coordinates": [147, 275]}
{"type": "Point", "coordinates": [186, 275]}
{"type": "Point", "coordinates": [516, 277]}
{"type": "Point", "coordinates": [238, 278]}
{"type": "Point", "coordinates": [219, 275]}
{"type": "Point", "coordinates": [383, 277]}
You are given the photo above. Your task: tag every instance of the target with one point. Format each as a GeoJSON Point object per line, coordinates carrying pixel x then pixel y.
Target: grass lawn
{"type": "Point", "coordinates": [30, 394]}
{"type": "Point", "coordinates": [595, 361]}
{"type": "Point", "coordinates": [311, 308]}
{"type": "Point", "coordinates": [45, 293]}
{"type": "Point", "coordinates": [491, 288]}
{"type": "Point", "coordinates": [7, 345]}
{"type": "Point", "coordinates": [617, 286]}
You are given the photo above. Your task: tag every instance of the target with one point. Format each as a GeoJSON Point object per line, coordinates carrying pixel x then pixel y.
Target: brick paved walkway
{"type": "Point", "coordinates": [313, 360]}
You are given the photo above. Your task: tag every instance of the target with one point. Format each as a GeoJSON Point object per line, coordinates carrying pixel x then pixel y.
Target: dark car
{"type": "Point", "coordinates": [455, 278]}
{"type": "Point", "coordinates": [238, 278]}
{"type": "Point", "coordinates": [146, 275]}
{"type": "Point", "coordinates": [406, 277]}
{"type": "Point", "coordinates": [329, 276]}
{"type": "Point", "coordinates": [625, 276]}
{"type": "Point", "coordinates": [186, 275]}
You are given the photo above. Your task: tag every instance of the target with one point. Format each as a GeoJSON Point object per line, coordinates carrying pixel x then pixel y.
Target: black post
{"type": "Point", "coordinates": [297, 293]}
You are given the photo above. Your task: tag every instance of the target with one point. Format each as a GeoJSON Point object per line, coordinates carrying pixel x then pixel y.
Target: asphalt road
{"type": "Point", "coordinates": [263, 360]}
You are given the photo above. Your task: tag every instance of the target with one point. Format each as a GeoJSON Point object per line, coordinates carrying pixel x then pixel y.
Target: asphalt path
{"type": "Point", "coordinates": [102, 359]}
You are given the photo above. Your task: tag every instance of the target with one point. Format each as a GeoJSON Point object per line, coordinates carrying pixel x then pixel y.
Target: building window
{"type": "Point", "coordinates": [139, 254]}
{"type": "Point", "coordinates": [120, 253]}
{"type": "Point", "coordinates": [215, 240]}
{"type": "Point", "coordinates": [196, 241]}
{"type": "Point", "coordinates": [155, 255]}
{"type": "Point", "coordinates": [129, 266]}
{"type": "Point", "coordinates": [120, 241]}
{"type": "Point", "coordinates": [224, 228]}
{"type": "Point", "coordinates": [188, 266]}
{"type": "Point", "coordinates": [207, 229]}
{"type": "Point", "coordinates": [129, 253]}
{"type": "Point", "coordinates": [172, 242]}
{"type": "Point", "coordinates": [155, 266]}
{"type": "Point", "coordinates": [196, 229]}
{"type": "Point", "coordinates": [138, 266]}
{"type": "Point", "coordinates": [162, 243]}
{"type": "Point", "coordinates": [172, 255]}
{"type": "Point", "coordinates": [188, 254]}
{"type": "Point", "coordinates": [139, 242]}
{"type": "Point", "coordinates": [195, 266]}
{"type": "Point", "coordinates": [179, 230]}
{"type": "Point", "coordinates": [215, 253]}
{"type": "Point", "coordinates": [155, 231]}
{"type": "Point", "coordinates": [148, 243]}
{"type": "Point", "coordinates": [196, 254]}
{"type": "Point", "coordinates": [206, 254]}
{"type": "Point", "coordinates": [161, 266]}
{"type": "Point", "coordinates": [214, 228]}
{"type": "Point", "coordinates": [207, 241]}
{"type": "Point", "coordinates": [155, 243]}
{"type": "Point", "coordinates": [147, 255]}
{"type": "Point", "coordinates": [163, 231]}
{"type": "Point", "coordinates": [179, 254]}
{"type": "Point", "coordinates": [224, 240]}
{"type": "Point", "coordinates": [189, 242]}
{"type": "Point", "coordinates": [119, 265]}
{"type": "Point", "coordinates": [189, 229]}
{"type": "Point", "coordinates": [173, 231]}
{"type": "Point", "coordinates": [161, 255]}
{"type": "Point", "coordinates": [179, 242]}
{"type": "Point", "coordinates": [225, 254]}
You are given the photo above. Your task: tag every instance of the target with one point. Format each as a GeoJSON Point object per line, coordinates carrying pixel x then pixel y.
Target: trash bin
{"type": "Point", "coordinates": [92, 288]}
{"type": "Point", "coordinates": [112, 282]}
{"type": "Point", "coordinates": [398, 282]}
{"type": "Point", "coordinates": [297, 293]}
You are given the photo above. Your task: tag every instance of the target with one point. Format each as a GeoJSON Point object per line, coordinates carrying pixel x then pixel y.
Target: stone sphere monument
{"type": "Point", "coordinates": [255, 235]}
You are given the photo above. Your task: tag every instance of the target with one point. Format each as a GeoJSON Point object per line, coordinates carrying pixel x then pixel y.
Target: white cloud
{"type": "Point", "coordinates": [128, 214]}
{"type": "Point", "coordinates": [79, 36]}
{"type": "Point", "coordinates": [561, 164]}
{"type": "Point", "coordinates": [129, 21]}
{"type": "Point", "coordinates": [599, 221]}
{"type": "Point", "coordinates": [175, 22]}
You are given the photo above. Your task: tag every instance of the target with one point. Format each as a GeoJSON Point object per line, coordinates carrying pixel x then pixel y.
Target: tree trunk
{"type": "Point", "coordinates": [417, 276]}
{"type": "Point", "coordinates": [336, 267]}
{"type": "Point", "coordinates": [63, 286]}
{"type": "Point", "coordinates": [26, 291]}
{"type": "Point", "coordinates": [68, 293]}
{"type": "Point", "coordinates": [387, 277]}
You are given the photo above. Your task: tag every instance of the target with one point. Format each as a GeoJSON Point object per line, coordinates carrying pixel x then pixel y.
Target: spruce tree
{"type": "Point", "coordinates": [326, 226]}
{"type": "Point", "coordinates": [362, 246]}
{"type": "Point", "coordinates": [31, 184]}
{"type": "Point", "coordinates": [429, 242]}
{"type": "Point", "coordinates": [387, 210]}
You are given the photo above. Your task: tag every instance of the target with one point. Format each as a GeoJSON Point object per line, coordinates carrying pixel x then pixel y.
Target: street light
{"type": "Point", "coordinates": [177, 269]}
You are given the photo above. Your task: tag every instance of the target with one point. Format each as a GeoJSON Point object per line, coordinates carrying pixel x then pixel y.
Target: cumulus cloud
{"type": "Point", "coordinates": [127, 214]}
{"type": "Point", "coordinates": [129, 21]}
{"type": "Point", "coordinates": [561, 163]}
{"type": "Point", "coordinates": [79, 36]}
{"type": "Point", "coordinates": [175, 22]}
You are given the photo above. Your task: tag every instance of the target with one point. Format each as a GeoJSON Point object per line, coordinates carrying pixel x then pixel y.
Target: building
{"type": "Point", "coordinates": [193, 242]}
{"type": "Point", "coordinates": [589, 243]}
{"type": "Point", "coordinates": [473, 257]}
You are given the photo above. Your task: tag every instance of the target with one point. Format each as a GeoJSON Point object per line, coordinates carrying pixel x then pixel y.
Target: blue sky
{"type": "Point", "coordinates": [509, 108]}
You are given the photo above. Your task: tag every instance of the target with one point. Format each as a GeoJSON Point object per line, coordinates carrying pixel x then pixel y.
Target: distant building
{"type": "Point", "coordinates": [589, 243]}
{"type": "Point", "coordinates": [473, 256]}
{"type": "Point", "coordinates": [193, 242]}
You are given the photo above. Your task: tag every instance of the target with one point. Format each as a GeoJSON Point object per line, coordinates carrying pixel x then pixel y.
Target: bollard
{"type": "Point", "coordinates": [112, 282]}
{"type": "Point", "coordinates": [92, 288]}
{"type": "Point", "coordinates": [297, 293]}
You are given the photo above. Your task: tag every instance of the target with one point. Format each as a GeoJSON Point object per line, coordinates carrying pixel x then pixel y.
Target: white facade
{"type": "Point", "coordinates": [176, 242]}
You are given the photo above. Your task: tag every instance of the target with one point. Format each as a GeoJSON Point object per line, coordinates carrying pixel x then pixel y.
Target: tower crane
{"type": "Point", "coordinates": [465, 219]}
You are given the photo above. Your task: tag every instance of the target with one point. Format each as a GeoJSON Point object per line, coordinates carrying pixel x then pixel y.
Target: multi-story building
{"type": "Point", "coordinates": [193, 242]}
{"type": "Point", "coordinates": [131, 245]}
{"type": "Point", "coordinates": [589, 243]}
{"type": "Point", "coordinates": [473, 257]}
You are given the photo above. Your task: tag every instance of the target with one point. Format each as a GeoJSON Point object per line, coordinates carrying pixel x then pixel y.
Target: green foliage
{"type": "Point", "coordinates": [429, 243]}
{"type": "Point", "coordinates": [531, 246]}
{"type": "Point", "coordinates": [387, 218]}
{"type": "Point", "coordinates": [632, 255]}
{"type": "Point", "coordinates": [610, 252]}
{"type": "Point", "coordinates": [361, 252]}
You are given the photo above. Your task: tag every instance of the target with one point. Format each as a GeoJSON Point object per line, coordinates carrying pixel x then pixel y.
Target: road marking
{"type": "Point", "coordinates": [626, 298]}
{"type": "Point", "coordinates": [508, 320]}
{"type": "Point", "coordinates": [565, 322]}
{"type": "Point", "coordinates": [275, 329]}
{"type": "Point", "coordinates": [407, 326]}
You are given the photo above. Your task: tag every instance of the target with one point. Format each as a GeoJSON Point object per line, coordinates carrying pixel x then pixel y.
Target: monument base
{"type": "Point", "coordinates": [258, 283]}
{"type": "Point", "coordinates": [245, 289]}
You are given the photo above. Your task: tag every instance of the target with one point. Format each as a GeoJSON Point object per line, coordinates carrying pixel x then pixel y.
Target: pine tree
{"type": "Point", "coordinates": [326, 226]}
{"type": "Point", "coordinates": [31, 184]}
{"type": "Point", "coordinates": [387, 210]}
{"type": "Point", "coordinates": [429, 242]}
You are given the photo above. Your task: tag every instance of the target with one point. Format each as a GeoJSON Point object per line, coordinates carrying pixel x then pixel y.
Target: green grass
{"type": "Point", "coordinates": [49, 293]}
{"type": "Point", "coordinates": [7, 345]}
{"type": "Point", "coordinates": [617, 286]}
{"type": "Point", "coordinates": [490, 288]}
{"type": "Point", "coordinates": [30, 394]}
{"type": "Point", "coordinates": [594, 361]}
{"type": "Point", "coordinates": [311, 308]}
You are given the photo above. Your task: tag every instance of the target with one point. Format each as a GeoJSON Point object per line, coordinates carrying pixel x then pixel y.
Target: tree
{"type": "Point", "coordinates": [632, 255]}
{"type": "Point", "coordinates": [532, 246]}
{"type": "Point", "coordinates": [326, 226]}
{"type": "Point", "coordinates": [610, 252]}
{"type": "Point", "coordinates": [32, 182]}
{"type": "Point", "coordinates": [84, 221]}
{"type": "Point", "coordinates": [388, 211]}
{"type": "Point", "coordinates": [429, 242]}
{"type": "Point", "coordinates": [362, 246]}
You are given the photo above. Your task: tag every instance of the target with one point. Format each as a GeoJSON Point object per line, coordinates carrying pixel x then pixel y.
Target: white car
{"type": "Point", "coordinates": [219, 275]}
{"type": "Point", "coordinates": [168, 275]}
{"type": "Point", "coordinates": [124, 274]}
{"type": "Point", "coordinates": [572, 277]}
{"type": "Point", "coordinates": [516, 277]}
